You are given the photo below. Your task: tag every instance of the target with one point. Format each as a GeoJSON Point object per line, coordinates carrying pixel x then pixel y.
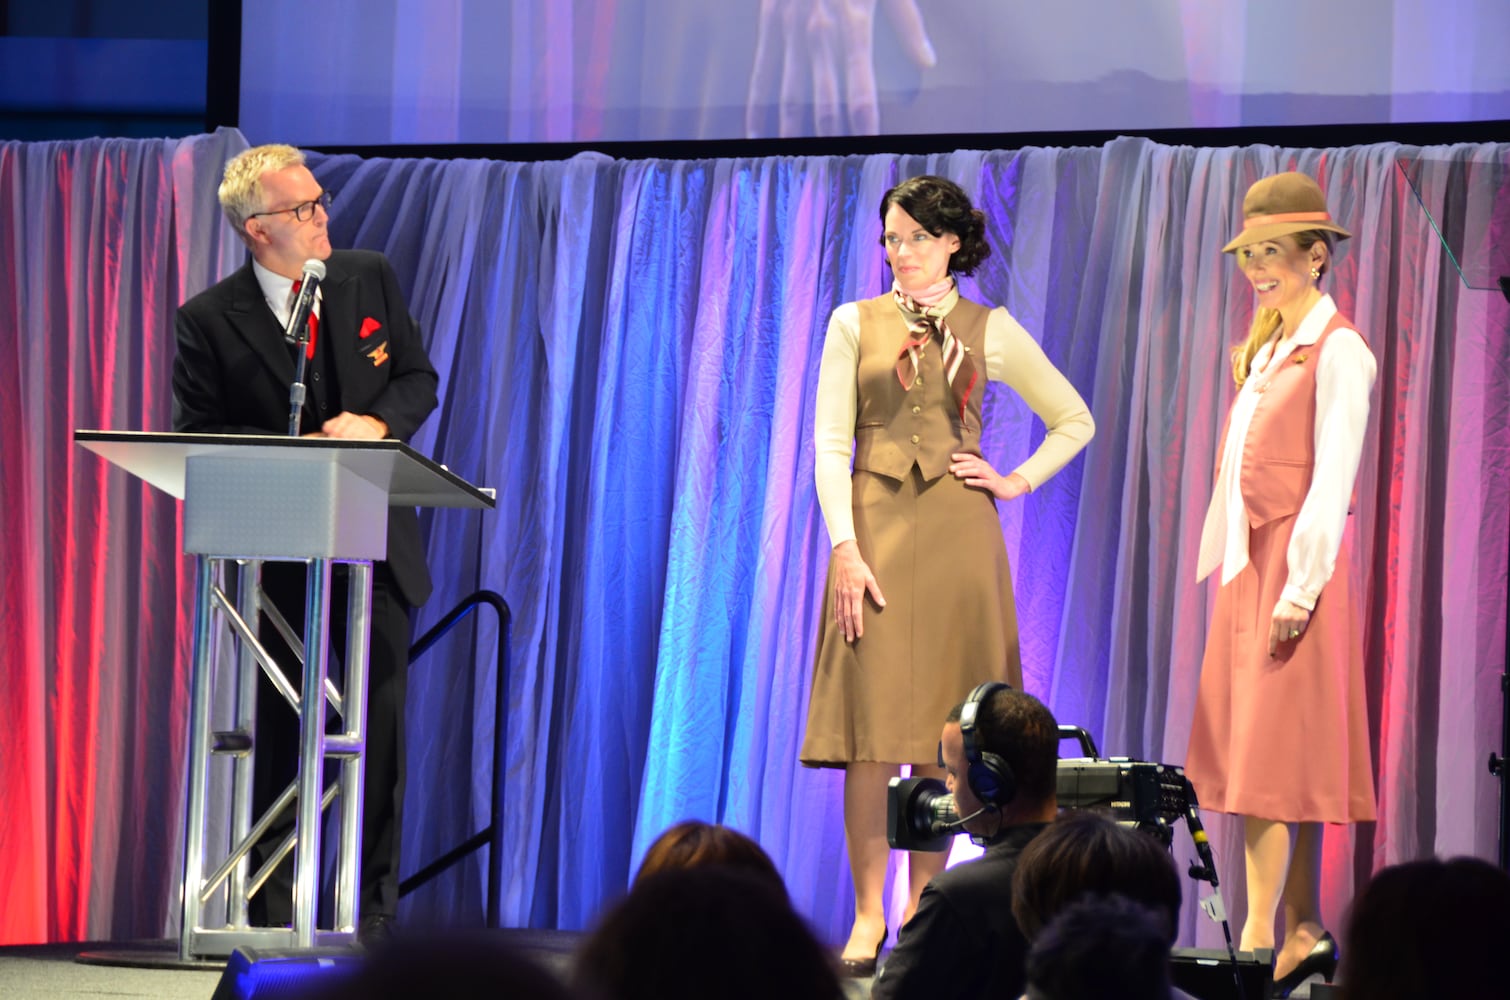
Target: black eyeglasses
{"type": "Point", "coordinates": [304, 211]}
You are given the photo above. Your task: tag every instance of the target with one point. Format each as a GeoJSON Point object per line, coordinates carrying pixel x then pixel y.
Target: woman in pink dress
{"type": "Point", "coordinates": [1280, 735]}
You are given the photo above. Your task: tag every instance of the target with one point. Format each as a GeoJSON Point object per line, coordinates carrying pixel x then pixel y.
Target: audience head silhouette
{"type": "Point", "coordinates": [708, 931]}
{"type": "Point", "coordinates": [1428, 928]}
{"type": "Point", "coordinates": [1101, 946]}
{"type": "Point", "coordinates": [693, 844]}
{"type": "Point", "coordinates": [1084, 853]}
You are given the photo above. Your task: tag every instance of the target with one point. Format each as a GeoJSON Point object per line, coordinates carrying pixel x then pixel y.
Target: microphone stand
{"type": "Point", "coordinates": [1205, 871]}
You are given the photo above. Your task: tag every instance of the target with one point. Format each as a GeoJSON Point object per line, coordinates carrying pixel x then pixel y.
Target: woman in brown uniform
{"type": "Point", "coordinates": [918, 607]}
{"type": "Point", "coordinates": [1280, 735]}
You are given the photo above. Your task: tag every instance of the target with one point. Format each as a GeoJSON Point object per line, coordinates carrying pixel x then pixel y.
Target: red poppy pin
{"type": "Point", "coordinates": [369, 327]}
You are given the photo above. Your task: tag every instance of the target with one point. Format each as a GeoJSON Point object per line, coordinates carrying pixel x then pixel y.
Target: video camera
{"type": "Point", "coordinates": [921, 814]}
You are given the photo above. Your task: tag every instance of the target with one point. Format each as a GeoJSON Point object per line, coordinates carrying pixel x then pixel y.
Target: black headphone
{"type": "Point", "coordinates": [989, 775]}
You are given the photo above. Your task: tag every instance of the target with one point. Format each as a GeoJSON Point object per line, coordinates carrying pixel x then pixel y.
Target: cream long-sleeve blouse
{"type": "Point", "coordinates": [1012, 357]}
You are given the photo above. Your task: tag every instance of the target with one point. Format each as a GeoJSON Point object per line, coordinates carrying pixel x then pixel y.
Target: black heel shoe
{"type": "Point", "coordinates": [1322, 958]}
{"type": "Point", "coordinates": [863, 968]}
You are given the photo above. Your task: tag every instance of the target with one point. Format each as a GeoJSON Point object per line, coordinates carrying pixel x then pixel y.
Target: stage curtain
{"type": "Point", "coordinates": [99, 243]}
{"type": "Point", "coordinates": [628, 354]}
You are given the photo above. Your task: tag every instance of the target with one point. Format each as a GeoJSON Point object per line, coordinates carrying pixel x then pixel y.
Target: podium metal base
{"type": "Point", "coordinates": [217, 869]}
{"type": "Point", "coordinates": [151, 955]}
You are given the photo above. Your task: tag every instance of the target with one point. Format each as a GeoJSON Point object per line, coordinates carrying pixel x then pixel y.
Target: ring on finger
{"type": "Point", "coordinates": [1294, 633]}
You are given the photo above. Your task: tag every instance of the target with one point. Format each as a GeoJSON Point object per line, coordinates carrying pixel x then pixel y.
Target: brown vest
{"type": "Point", "coordinates": [897, 428]}
{"type": "Point", "coordinates": [1279, 453]}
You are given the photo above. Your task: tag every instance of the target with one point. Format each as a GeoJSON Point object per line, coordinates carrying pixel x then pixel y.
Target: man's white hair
{"type": "Point", "coordinates": [241, 194]}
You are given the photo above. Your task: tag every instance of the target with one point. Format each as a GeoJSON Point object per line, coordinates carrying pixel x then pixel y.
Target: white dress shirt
{"type": "Point", "coordinates": [279, 293]}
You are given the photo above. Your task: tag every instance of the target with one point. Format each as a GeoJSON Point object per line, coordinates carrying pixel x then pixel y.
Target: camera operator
{"type": "Point", "coordinates": [1000, 749]}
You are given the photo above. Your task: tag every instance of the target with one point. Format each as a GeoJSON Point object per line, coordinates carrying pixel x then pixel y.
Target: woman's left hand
{"type": "Point", "coordinates": [977, 472]}
{"type": "Point", "coordinates": [1287, 625]}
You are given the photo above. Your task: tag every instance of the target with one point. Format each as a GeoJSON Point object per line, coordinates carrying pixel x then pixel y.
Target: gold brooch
{"type": "Point", "coordinates": [1298, 358]}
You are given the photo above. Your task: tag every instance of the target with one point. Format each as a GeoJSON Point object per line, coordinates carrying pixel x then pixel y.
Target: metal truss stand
{"type": "Point", "coordinates": [230, 882]}
{"type": "Point", "coordinates": [250, 499]}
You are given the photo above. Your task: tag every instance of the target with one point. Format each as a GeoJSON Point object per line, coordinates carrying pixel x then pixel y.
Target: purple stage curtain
{"type": "Point", "coordinates": [628, 353]}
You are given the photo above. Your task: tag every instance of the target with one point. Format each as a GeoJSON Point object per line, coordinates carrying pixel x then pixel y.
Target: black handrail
{"type": "Point", "coordinates": [492, 835]}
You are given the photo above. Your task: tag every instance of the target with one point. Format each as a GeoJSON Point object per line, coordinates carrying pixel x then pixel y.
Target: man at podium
{"type": "Point", "coordinates": [368, 377]}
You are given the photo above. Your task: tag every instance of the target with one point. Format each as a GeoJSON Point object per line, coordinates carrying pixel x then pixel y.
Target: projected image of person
{"type": "Point", "coordinates": [918, 605]}
{"type": "Point", "coordinates": [1280, 735]}
{"type": "Point", "coordinates": [815, 65]}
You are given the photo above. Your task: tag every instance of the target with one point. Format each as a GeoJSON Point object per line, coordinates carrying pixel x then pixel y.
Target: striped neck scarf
{"type": "Point", "coordinates": [924, 325]}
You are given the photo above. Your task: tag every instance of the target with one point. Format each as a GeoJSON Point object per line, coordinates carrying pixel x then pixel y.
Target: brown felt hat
{"type": "Point", "coordinates": [1282, 204]}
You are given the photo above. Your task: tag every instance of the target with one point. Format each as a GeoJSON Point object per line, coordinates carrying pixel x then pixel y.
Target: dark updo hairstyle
{"type": "Point", "coordinates": [941, 206]}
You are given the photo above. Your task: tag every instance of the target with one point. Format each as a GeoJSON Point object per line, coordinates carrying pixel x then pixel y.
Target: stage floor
{"type": "Point", "coordinates": [53, 971]}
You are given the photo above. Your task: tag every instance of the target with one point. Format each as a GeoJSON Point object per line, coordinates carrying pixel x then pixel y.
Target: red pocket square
{"type": "Point", "coordinates": [369, 327]}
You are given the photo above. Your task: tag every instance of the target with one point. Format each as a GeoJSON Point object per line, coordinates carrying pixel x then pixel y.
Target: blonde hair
{"type": "Point", "coordinates": [241, 194]}
{"type": "Point", "coordinates": [1267, 321]}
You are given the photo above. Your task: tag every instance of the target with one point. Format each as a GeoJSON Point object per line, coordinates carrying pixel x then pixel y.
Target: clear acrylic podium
{"type": "Point", "coordinates": [249, 499]}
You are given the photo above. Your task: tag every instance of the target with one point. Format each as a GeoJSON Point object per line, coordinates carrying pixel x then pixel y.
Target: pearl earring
{"type": "Point", "coordinates": [1315, 274]}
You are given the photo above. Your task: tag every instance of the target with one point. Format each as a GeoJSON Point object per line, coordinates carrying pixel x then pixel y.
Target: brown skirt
{"type": "Point", "coordinates": [1284, 738]}
{"type": "Point", "coordinates": [950, 623]}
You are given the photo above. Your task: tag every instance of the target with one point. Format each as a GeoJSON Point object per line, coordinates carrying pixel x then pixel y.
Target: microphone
{"type": "Point", "coordinates": [1205, 871]}
{"type": "Point", "coordinates": [959, 824]}
{"type": "Point", "coordinates": [297, 333]}
{"type": "Point", "coordinates": [297, 330]}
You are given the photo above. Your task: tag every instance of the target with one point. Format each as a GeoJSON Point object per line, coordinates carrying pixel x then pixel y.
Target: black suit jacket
{"type": "Point", "coordinates": [963, 941]}
{"type": "Point", "coordinates": [233, 371]}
